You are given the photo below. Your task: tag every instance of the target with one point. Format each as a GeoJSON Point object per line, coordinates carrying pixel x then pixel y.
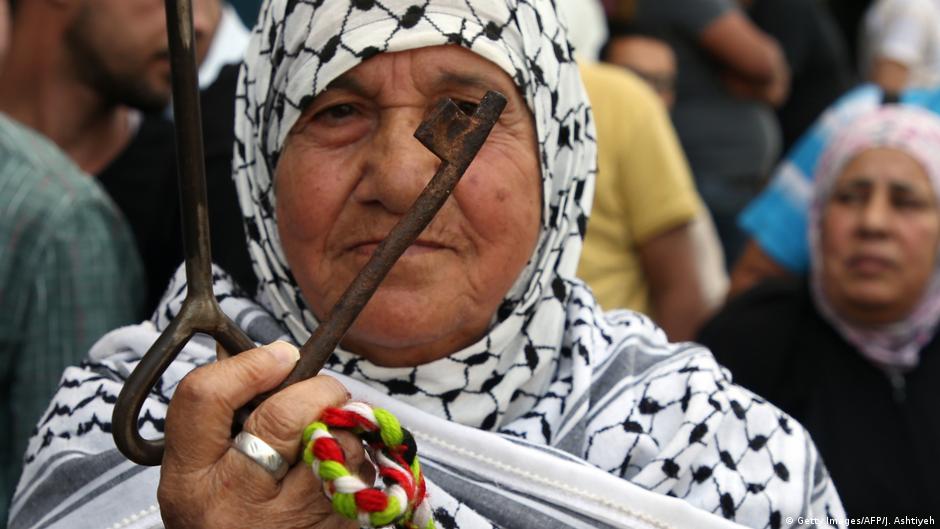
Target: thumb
{"type": "Point", "coordinates": [209, 396]}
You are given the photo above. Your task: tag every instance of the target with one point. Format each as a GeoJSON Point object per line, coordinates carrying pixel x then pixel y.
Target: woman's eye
{"type": "Point", "coordinates": [337, 121]}
{"type": "Point", "coordinates": [910, 203]}
{"type": "Point", "coordinates": [468, 107]}
{"type": "Point", "coordinates": [848, 197]}
{"type": "Point", "coordinates": [335, 112]}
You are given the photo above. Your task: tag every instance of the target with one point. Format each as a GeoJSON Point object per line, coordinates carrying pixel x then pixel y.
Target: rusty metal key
{"type": "Point", "coordinates": [200, 311]}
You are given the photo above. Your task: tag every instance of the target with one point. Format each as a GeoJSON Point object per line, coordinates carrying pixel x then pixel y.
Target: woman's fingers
{"type": "Point", "coordinates": [280, 420]}
{"type": "Point", "coordinates": [356, 460]}
{"type": "Point", "coordinates": [201, 460]}
{"type": "Point", "coordinates": [199, 419]}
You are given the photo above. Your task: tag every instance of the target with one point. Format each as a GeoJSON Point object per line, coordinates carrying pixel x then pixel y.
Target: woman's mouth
{"type": "Point", "coordinates": [417, 248]}
{"type": "Point", "coordinates": [870, 265]}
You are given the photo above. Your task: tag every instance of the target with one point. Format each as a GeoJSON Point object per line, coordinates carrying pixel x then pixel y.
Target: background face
{"type": "Point", "coordinates": [879, 237]}
{"type": "Point", "coordinates": [119, 48]}
{"type": "Point", "coordinates": [351, 168]}
{"type": "Point", "coordinates": [651, 59]}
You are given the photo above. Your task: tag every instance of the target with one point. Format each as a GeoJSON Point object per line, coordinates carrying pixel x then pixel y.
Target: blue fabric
{"type": "Point", "coordinates": [776, 219]}
{"type": "Point", "coordinates": [247, 10]}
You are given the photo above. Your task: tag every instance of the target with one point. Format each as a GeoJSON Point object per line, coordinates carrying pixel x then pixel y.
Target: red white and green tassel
{"type": "Point", "coordinates": [402, 502]}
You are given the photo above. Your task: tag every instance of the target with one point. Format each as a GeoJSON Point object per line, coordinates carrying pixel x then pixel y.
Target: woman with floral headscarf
{"type": "Point", "coordinates": [531, 407]}
{"type": "Point", "coordinates": [853, 354]}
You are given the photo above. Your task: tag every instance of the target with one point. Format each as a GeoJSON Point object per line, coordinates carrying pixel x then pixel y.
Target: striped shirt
{"type": "Point", "coordinates": [69, 272]}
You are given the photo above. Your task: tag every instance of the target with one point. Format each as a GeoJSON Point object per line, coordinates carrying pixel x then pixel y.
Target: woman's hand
{"type": "Point", "coordinates": [206, 483]}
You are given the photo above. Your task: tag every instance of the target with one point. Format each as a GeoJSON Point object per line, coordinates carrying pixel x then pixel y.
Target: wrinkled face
{"type": "Point", "coordinates": [350, 169]}
{"type": "Point", "coordinates": [879, 237]}
{"type": "Point", "coordinates": [120, 48]}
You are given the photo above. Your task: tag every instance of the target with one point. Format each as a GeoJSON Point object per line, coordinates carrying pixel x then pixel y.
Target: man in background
{"type": "Point", "coordinates": [646, 54]}
{"type": "Point", "coordinates": [649, 246]}
{"type": "Point", "coordinates": [816, 55]}
{"type": "Point", "coordinates": [94, 77]}
{"type": "Point", "coordinates": [731, 74]}
{"type": "Point", "coordinates": [68, 270]}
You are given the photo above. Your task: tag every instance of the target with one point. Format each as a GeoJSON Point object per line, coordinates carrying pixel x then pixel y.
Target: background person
{"type": "Point", "coordinates": [666, 260]}
{"type": "Point", "coordinates": [900, 45]}
{"type": "Point", "coordinates": [227, 43]}
{"type": "Point", "coordinates": [646, 54]}
{"type": "Point", "coordinates": [776, 219]}
{"type": "Point", "coordinates": [94, 78]}
{"type": "Point", "coordinates": [650, 245]}
{"type": "Point", "coordinates": [69, 273]}
{"type": "Point", "coordinates": [730, 75]}
{"type": "Point", "coordinates": [481, 329]}
{"type": "Point", "coordinates": [853, 354]}
{"type": "Point", "coordinates": [816, 55]}
{"type": "Point", "coordinates": [4, 29]}
{"type": "Point", "coordinates": [848, 15]}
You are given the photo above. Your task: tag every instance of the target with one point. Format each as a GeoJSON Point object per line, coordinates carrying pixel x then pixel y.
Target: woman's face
{"type": "Point", "coordinates": [351, 168]}
{"type": "Point", "coordinates": [880, 231]}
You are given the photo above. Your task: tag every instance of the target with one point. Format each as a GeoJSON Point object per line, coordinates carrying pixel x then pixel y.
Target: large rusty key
{"type": "Point", "coordinates": [200, 311]}
{"type": "Point", "coordinates": [448, 132]}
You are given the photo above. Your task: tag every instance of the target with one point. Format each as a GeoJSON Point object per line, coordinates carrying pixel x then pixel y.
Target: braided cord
{"type": "Point", "coordinates": [401, 501]}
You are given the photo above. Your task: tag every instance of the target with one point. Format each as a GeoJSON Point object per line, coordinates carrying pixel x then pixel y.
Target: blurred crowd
{"type": "Point", "coordinates": [767, 184]}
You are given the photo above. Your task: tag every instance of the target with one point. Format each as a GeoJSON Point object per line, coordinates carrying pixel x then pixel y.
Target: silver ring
{"type": "Point", "coordinates": [261, 452]}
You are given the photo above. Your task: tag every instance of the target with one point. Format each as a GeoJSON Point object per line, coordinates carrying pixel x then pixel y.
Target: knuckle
{"type": "Point", "coordinates": [251, 369]}
{"type": "Point", "coordinates": [196, 385]}
{"type": "Point", "coordinates": [164, 495]}
{"type": "Point", "coordinates": [223, 380]}
{"type": "Point", "coordinates": [205, 390]}
{"type": "Point", "coordinates": [280, 419]}
{"type": "Point", "coordinates": [273, 422]}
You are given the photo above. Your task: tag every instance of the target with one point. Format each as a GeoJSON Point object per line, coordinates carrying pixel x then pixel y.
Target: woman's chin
{"type": "Point", "coordinates": [874, 308]}
{"type": "Point", "coordinates": [397, 335]}
{"type": "Point", "coordinates": [388, 350]}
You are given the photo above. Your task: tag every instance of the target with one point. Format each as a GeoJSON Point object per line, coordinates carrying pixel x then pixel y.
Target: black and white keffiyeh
{"type": "Point", "coordinates": [561, 416]}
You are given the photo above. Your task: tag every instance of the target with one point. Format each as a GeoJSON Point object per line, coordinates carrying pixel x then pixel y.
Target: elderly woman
{"type": "Point", "coordinates": [530, 406]}
{"type": "Point", "coordinates": [853, 355]}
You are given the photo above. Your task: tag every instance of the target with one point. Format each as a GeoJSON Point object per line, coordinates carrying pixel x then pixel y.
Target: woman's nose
{"type": "Point", "coordinates": [398, 166]}
{"type": "Point", "coordinates": [876, 215]}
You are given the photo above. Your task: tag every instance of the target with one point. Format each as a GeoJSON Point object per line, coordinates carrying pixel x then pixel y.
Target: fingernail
{"type": "Point", "coordinates": [338, 384]}
{"type": "Point", "coordinates": [283, 352]}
